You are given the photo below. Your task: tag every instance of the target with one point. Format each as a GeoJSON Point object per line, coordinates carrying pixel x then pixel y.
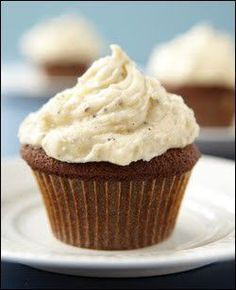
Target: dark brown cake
{"type": "Point", "coordinates": [213, 106]}
{"type": "Point", "coordinates": [61, 77]}
{"type": "Point", "coordinates": [100, 205]}
{"type": "Point", "coordinates": [68, 70]}
{"type": "Point", "coordinates": [173, 162]}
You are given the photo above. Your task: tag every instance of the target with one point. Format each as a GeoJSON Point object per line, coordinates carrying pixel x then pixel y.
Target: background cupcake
{"type": "Point", "coordinates": [199, 65]}
{"type": "Point", "coordinates": [62, 47]}
{"type": "Point", "coordinates": [112, 157]}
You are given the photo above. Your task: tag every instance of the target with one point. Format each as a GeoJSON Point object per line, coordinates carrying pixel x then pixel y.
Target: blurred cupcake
{"type": "Point", "coordinates": [62, 47]}
{"type": "Point", "coordinates": [199, 65]}
{"type": "Point", "coordinates": [112, 157]}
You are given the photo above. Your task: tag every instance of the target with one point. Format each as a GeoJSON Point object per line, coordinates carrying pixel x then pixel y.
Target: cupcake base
{"type": "Point", "coordinates": [69, 70]}
{"type": "Point", "coordinates": [100, 205]}
{"type": "Point", "coordinates": [61, 77]}
{"type": "Point", "coordinates": [213, 106]}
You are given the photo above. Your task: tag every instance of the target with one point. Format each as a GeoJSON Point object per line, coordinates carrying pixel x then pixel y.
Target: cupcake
{"type": "Point", "coordinates": [112, 157]}
{"type": "Point", "coordinates": [199, 65]}
{"type": "Point", "coordinates": [62, 47]}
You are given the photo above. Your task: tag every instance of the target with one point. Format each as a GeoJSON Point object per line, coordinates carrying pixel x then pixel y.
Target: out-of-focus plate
{"type": "Point", "coordinates": [218, 134]}
{"type": "Point", "coordinates": [204, 233]}
{"type": "Point", "coordinates": [22, 80]}
{"type": "Point", "coordinates": [217, 141]}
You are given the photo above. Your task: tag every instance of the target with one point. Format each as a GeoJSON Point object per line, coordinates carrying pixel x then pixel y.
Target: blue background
{"type": "Point", "coordinates": [136, 25]}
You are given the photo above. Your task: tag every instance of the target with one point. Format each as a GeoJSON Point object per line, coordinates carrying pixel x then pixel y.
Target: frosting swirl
{"type": "Point", "coordinates": [113, 114]}
{"type": "Point", "coordinates": [202, 56]}
{"type": "Point", "coordinates": [65, 39]}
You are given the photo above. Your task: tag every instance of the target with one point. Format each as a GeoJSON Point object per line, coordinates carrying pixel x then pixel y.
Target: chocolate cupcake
{"type": "Point", "coordinates": [63, 47]}
{"type": "Point", "coordinates": [199, 66]}
{"type": "Point", "coordinates": [112, 157]}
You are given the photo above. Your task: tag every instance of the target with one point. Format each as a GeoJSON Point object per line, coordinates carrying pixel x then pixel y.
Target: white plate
{"type": "Point", "coordinates": [204, 233]}
{"type": "Point", "coordinates": [217, 141]}
{"type": "Point", "coordinates": [26, 81]}
{"type": "Point", "coordinates": [217, 134]}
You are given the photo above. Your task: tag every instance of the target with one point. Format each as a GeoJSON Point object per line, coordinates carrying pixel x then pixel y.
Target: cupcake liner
{"type": "Point", "coordinates": [110, 214]}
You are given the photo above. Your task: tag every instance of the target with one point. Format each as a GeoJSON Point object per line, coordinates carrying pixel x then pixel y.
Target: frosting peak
{"type": "Point", "coordinates": [201, 56]}
{"type": "Point", "coordinates": [114, 114]}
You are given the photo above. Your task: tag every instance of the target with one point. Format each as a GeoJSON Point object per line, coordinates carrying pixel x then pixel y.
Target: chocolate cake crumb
{"type": "Point", "coordinates": [172, 162]}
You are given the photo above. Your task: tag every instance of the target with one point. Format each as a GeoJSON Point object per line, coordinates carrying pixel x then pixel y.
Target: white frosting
{"type": "Point", "coordinates": [66, 39]}
{"type": "Point", "coordinates": [202, 56]}
{"type": "Point", "coordinates": [114, 114]}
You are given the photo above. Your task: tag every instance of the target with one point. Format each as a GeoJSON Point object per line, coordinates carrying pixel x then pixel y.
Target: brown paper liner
{"type": "Point", "coordinates": [112, 215]}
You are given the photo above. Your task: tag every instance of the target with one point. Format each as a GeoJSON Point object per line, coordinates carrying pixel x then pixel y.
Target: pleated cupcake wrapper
{"type": "Point", "coordinates": [111, 214]}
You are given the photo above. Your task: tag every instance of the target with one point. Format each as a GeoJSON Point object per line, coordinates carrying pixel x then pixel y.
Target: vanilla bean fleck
{"type": "Point", "coordinates": [87, 109]}
{"type": "Point", "coordinates": [111, 139]}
